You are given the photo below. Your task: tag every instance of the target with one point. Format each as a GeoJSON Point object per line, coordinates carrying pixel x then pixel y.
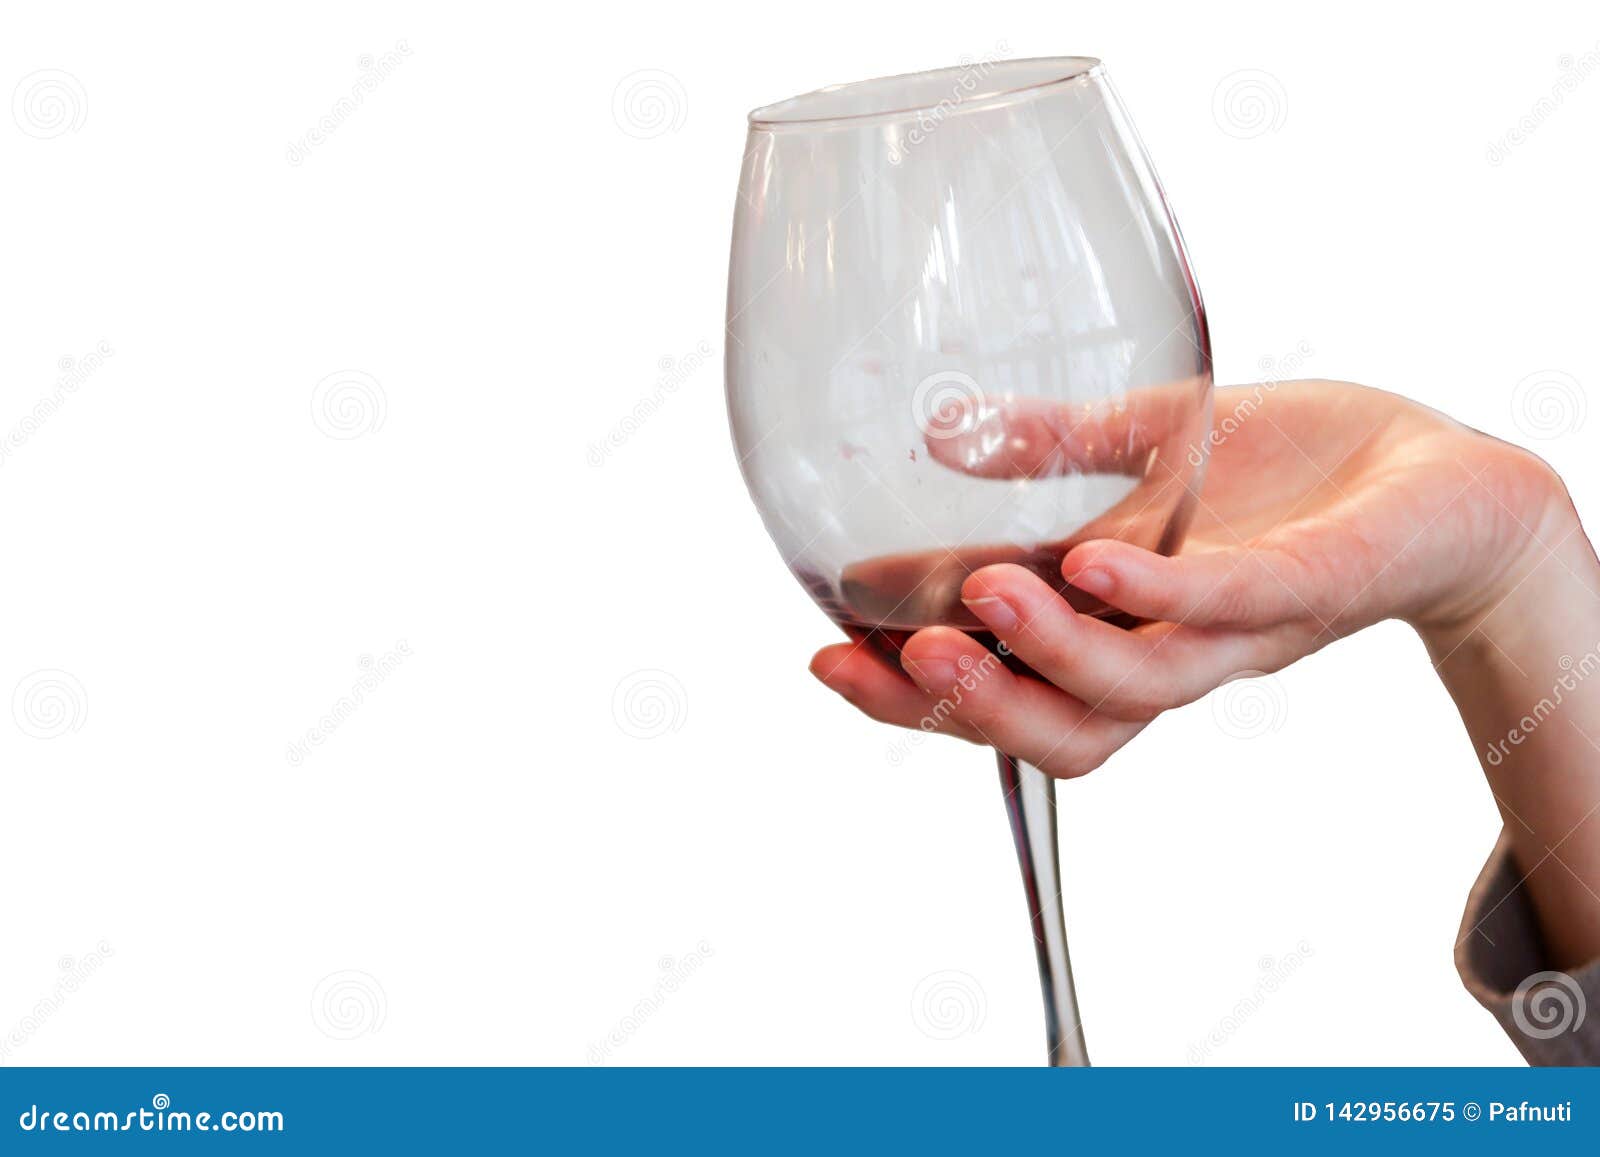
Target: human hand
{"type": "Point", "coordinates": [1326, 507]}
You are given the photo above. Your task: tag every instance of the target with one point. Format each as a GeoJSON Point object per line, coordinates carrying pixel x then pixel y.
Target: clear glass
{"type": "Point", "coordinates": [962, 329]}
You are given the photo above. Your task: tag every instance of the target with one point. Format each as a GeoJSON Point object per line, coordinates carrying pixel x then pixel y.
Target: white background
{"type": "Point", "coordinates": [481, 863]}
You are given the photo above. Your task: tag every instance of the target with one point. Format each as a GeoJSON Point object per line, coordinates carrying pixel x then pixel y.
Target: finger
{"type": "Point", "coordinates": [1028, 438]}
{"type": "Point", "coordinates": [1002, 437]}
{"type": "Point", "coordinates": [1144, 516]}
{"type": "Point", "coordinates": [1020, 716]}
{"type": "Point", "coordinates": [1131, 675]}
{"type": "Point", "coordinates": [868, 684]}
{"type": "Point", "coordinates": [1243, 587]}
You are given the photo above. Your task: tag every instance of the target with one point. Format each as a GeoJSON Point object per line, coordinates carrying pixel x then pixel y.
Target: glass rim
{"type": "Point", "coordinates": [1057, 71]}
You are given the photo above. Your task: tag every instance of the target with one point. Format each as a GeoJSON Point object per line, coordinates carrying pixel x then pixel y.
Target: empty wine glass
{"type": "Point", "coordinates": [962, 330]}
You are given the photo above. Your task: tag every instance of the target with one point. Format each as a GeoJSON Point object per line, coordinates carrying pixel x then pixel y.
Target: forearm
{"type": "Point", "coordinates": [1525, 675]}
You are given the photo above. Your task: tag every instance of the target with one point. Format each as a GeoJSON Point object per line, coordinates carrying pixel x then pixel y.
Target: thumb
{"type": "Point", "coordinates": [1234, 587]}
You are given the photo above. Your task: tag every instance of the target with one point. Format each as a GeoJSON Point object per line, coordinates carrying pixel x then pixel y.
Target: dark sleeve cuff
{"type": "Point", "coordinates": [1500, 956]}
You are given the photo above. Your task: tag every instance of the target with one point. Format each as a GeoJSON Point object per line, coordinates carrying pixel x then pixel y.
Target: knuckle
{"type": "Point", "coordinates": [1092, 751]}
{"type": "Point", "coordinates": [1140, 707]}
{"type": "Point", "coordinates": [940, 719]}
{"type": "Point", "coordinates": [989, 724]}
{"type": "Point", "coordinates": [1141, 699]}
{"type": "Point", "coordinates": [1068, 765]}
{"type": "Point", "coordinates": [1170, 604]}
{"type": "Point", "coordinates": [1230, 601]}
{"type": "Point", "coordinates": [984, 715]}
{"type": "Point", "coordinates": [879, 715]}
{"type": "Point", "coordinates": [1178, 594]}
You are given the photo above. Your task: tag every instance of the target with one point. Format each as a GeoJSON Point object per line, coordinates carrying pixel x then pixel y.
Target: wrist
{"type": "Point", "coordinates": [1545, 586]}
{"type": "Point", "coordinates": [1549, 610]}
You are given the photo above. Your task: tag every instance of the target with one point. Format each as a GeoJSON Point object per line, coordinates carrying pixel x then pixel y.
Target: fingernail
{"type": "Point", "coordinates": [934, 674]}
{"type": "Point", "coordinates": [1095, 581]}
{"type": "Point", "coordinates": [996, 612]}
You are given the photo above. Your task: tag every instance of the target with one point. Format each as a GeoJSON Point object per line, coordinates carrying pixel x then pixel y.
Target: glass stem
{"type": "Point", "coordinates": [1030, 797]}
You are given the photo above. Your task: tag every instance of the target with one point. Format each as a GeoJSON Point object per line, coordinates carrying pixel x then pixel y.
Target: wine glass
{"type": "Point", "coordinates": [962, 330]}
